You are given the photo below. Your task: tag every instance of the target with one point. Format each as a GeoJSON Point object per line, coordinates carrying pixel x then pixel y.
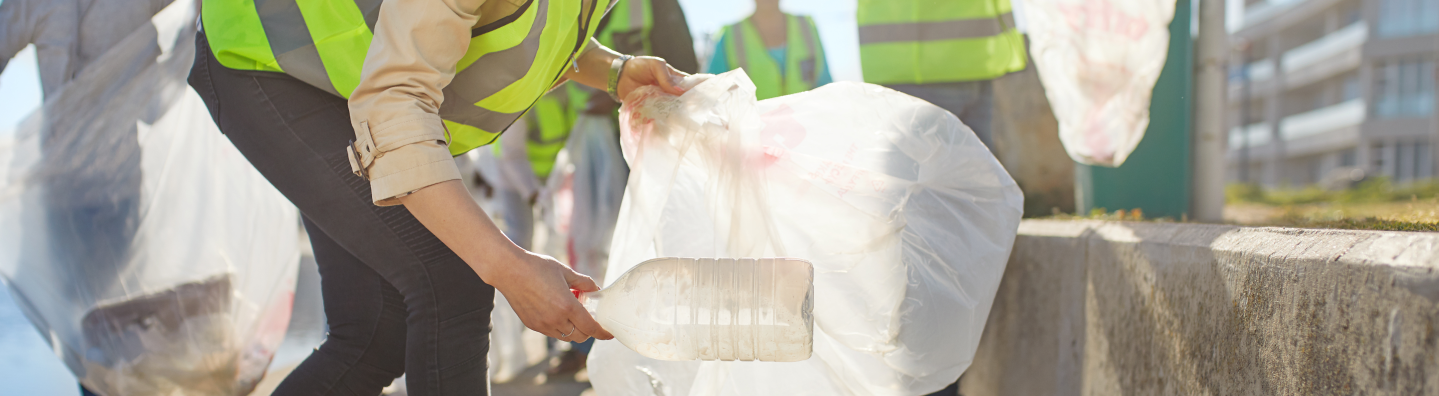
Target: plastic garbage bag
{"type": "Point", "coordinates": [1098, 60]}
{"type": "Point", "coordinates": [139, 242]}
{"type": "Point", "coordinates": [906, 216]}
{"type": "Point", "coordinates": [582, 197]}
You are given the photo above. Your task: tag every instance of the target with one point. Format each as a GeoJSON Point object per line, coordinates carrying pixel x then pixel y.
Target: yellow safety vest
{"type": "Point", "coordinates": [936, 41]}
{"type": "Point", "coordinates": [508, 66]}
{"type": "Point", "coordinates": [804, 57]}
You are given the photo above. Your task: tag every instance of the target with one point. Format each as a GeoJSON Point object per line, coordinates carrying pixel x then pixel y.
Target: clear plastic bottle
{"type": "Point", "coordinates": [711, 309]}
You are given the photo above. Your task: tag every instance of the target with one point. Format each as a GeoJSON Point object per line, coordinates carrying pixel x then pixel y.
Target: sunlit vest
{"type": "Point", "coordinates": [804, 57]}
{"type": "Point", "coordinates": [936, 41]}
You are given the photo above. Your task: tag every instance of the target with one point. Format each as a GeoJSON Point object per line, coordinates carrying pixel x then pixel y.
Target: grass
{"type": "Point", "coordinates": [1375, 204]}
{"type": "Point", "coordinates": [1377, 190]}
{"type": "Point", "coordinates": [1373, 224]}
{"type": "Point", "coordinates": [1104, 214]}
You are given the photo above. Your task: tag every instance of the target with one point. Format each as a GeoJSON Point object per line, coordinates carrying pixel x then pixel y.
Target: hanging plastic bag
{"type": "Point", "coordinates": [1099, 60]}
{"type": "Point", "coordinates": [149, 252]}
{"type": "Point", "coordinates": [906, 216]}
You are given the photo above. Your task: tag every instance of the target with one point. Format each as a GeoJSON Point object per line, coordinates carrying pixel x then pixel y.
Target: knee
{"type": "Point", "coordinates": [380, 353]}
{"type": "Point", "coordinates": [377, 341]}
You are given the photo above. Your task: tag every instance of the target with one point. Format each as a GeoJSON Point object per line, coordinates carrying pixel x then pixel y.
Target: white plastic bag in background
{"type": "Point", "coordinates": [147, 250]}
{"type": "Point", "coordinates": [906, 216]}
{"type": "Point", "coordinates": [1099, 60]}
{"type": "Point", "coordinates": [555, 208]}
{"type": "Point", "coordinates": [582, 196]}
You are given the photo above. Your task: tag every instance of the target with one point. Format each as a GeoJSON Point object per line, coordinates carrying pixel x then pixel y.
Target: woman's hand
{"type": "Point", "coordinates": [648, 70]}
{"type": "Point", "coordinates": [537, 286]}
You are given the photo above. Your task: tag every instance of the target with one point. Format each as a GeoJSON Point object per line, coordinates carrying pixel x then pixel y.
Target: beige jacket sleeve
{"type": "Point", "coordinates": [400, 143]}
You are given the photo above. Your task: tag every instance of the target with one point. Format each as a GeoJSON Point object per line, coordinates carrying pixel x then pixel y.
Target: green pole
{"type": "Point", "coordinates": [1156, 177]}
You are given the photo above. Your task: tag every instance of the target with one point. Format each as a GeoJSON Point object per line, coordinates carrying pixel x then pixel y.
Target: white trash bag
{"type": "Point", "coordinates": [138, 241]}
{"type": "Point", "coordinates": [1099, 61]}
{"type": "Point", "coordinates": [906, 216]}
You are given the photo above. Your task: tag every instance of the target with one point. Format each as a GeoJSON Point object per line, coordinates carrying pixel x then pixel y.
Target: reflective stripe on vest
{"type": "Point", "coordinates": [804, 57]}
{"type": "Point", "coordinates": [935, 31]}
{"type": "Point", "coordinates": [936, 41]}
{"type": "Point", "coordinates": [324, 43]}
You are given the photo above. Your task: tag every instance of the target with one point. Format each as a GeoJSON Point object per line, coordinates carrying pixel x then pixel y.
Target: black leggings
{"type": "Point", "coordinates": [398, 301]}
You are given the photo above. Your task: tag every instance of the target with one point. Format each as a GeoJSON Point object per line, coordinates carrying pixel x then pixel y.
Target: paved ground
{"type": "Point", "coordinates": [531, 382]}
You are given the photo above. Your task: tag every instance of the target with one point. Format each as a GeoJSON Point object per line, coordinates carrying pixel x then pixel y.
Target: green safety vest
{"type": "Point", "coordinates": [936, 41]}
{"type": "Point", "coordinates": [553, 117]}
{"type": "Point", "coordinates": [550, 123]}
{"type": "Point", "coordinates": [508, 66]}
{"type": "Point", "coordinates": [804, 58]}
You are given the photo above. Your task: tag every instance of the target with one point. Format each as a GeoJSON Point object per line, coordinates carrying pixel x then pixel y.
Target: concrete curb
{"type": "Point", "coordinates": [1107, 308]}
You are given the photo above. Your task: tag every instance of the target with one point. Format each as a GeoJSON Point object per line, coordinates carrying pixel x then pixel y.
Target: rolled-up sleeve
{"type": "Point", "coordinates": [401, 144]}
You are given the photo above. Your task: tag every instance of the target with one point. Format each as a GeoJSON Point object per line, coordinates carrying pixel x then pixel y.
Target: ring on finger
{"type": "Point", "coordinates": [567, 335]}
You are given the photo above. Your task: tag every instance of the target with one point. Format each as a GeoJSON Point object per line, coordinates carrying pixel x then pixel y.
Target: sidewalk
{"type": "Point", "coordinates": [531, 382]}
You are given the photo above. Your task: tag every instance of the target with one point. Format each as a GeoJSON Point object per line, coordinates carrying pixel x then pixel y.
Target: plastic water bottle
{"type": "Point", "coordinates": [711, 309]}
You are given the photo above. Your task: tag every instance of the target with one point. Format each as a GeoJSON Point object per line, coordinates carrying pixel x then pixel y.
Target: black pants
{"type": "Point", "coordinates": [951, 390]}
{"type": "Point", "coordinates": [396, 298]}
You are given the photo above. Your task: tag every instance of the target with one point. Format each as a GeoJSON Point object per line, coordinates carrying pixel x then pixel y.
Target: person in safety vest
{"type": "Point", "coordinates": [638, 27]}
{"type": "Point", "coordinates": [946, 52]}
{"type": "Point", "coordinates": [353, 110]}
{"type": "Point", "coordinates": [780, 52]}
{"type": "Point", "coordinates": [526, 154]}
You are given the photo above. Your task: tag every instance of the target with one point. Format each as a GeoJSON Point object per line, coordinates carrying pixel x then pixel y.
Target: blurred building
{"type": "Point", "coordinates": [1324, 91]}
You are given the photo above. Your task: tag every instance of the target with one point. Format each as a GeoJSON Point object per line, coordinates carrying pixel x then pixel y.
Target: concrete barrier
{"type": "Point", "coordinates": [1107, 308]}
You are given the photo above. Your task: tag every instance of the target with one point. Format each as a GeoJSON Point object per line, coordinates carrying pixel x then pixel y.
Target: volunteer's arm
{"type": "Point", "coordinates": [400, 148]}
